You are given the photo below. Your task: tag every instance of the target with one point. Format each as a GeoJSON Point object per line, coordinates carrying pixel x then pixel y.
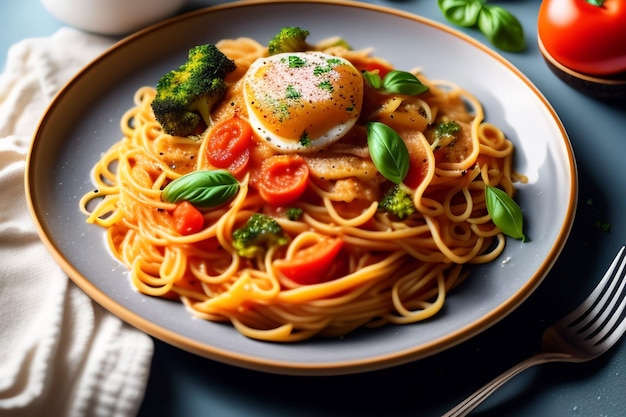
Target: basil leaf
{"type": "Point", "coordinates": [202, 188]}
{"type": "Point", "coordinates": [498, 25]}
{"type": "Point", "coordinates": [501, 28]}
{"type": "Point", "coordinates": [504, 212]}
{"type": "Point", "coordinates": [373, 79]}
{"type": "Point", "coordinates": [388, 151]}
{"type": "Point", "coordinates": [461, 12]}
{"type": "Point", "coordinates": [396, 82]}
{"type": "Point", "coordinates": [402, 82]}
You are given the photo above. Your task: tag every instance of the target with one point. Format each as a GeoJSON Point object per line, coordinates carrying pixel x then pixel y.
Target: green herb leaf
{"type": "Point", "coordinates": [605, 227]}
{"type": "Point", "coordinates": [296, 61]}
{"type": "Point", "coordinates": [305, 140]}
{"type": "Point", "coordinates": [325, 85]}
{"type": "Point", "coordinates": [373, 79]}
{"type": "Point", "coordinates": [462, 13]}
{"type": "Point", "coordinates": [294, 213]}
{"type": "Point", "coordinates": [292, 93]}
{"type": "Point", "coordinates": [388, 151]}
{"type": "Point", "coordinates": [202, 188]}
{"type": "Point", "coordinates": [402, 82]}
{"type": "Point", "coordinates": [498, 25]}
{"type": "Point", "coordinates": [501, 28]}
{"type": "Point", "coordinates": [396, 82]}
{"type": "Point", "coordinates": [504, 212]}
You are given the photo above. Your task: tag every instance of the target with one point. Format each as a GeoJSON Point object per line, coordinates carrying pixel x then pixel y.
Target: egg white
{"type": "Point", "coordinates": [270, 78]}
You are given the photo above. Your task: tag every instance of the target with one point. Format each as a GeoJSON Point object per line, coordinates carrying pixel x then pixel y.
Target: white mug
{"type": "Point", "coordinates": [111, 17]}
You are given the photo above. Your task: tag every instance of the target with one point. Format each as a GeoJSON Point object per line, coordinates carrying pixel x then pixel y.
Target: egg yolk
{"type": "Point", "coordinates": [302, 101]}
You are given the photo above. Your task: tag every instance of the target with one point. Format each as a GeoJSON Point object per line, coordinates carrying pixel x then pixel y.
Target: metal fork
{"type": "Point", "coordinates": [584, 334]}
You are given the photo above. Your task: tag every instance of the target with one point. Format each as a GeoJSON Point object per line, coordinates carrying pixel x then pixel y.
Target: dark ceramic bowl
{"type": "Point", "coordinates": [608, 88]}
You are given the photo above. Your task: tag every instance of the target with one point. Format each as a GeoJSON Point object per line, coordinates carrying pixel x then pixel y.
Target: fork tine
{"type": "Point", "coordinates": [581, 314]}
{"type": "Point", "coordinates": [613, 314]}
{"type": "Point", "coordinates": [592, 314]}
{"type": "Point", "coordinates": [612, 334]}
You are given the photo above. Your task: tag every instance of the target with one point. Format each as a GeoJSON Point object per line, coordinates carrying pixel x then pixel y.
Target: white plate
{"type": "Point", "coordinates": [83, 121]}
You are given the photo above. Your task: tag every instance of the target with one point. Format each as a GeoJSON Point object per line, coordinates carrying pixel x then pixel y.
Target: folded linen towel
{"type": "Point", "coordinates": [60, 353]}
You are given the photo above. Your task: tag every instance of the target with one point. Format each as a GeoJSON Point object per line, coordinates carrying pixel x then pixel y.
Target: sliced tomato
{"type": "Point", "coordinates": [416, 174]}
{"type": "Point", "coordinates": [378, 67]}
{"type": "Point", "coordinates": [312, 265]}
{"type": "Point", "coordinates": [240, 165]}
{"type": "Point", "coordinates": [228, 144]}
{"type": "Point", "coordinates": [187, 219]}
{"type": "Point", "coordinates": [283, 179]}
{"type": "Point", "coordinates": [418, 162]}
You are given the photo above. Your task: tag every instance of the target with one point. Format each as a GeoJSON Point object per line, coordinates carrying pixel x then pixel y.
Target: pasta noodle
{"type": "Point", "coordinates": [389, 271]}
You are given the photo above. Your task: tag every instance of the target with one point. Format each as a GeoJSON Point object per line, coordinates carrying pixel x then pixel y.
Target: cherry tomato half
{"type": "Point", "coordinates": [283, 179]}
{"type": "Point", "coordinates": [228, 144]}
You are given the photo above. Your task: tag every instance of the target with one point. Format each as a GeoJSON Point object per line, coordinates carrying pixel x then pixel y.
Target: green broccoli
{"type": "Point", "coordinates": [294, 213]}
{"type": "Point", "coordinates": [185, 96]}
{"type": "Point", "coordinates": [257, 235]}
{"type": "Point", "coordinates": [444, 134]}
{"type": "Point", "coordinates": [289, 39]}
{"type": "Point", "coordinates": [397, 202]}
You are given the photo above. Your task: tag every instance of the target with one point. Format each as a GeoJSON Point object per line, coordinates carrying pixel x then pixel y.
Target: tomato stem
{"type": "Point", "coordinates": [598, 3]}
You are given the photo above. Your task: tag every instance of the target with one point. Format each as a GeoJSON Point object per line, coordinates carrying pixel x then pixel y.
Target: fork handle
{"type": "Point", "coordinates": [474, 400]}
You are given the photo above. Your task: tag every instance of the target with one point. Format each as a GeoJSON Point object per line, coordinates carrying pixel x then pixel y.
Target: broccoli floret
{"type": "Point", "coordinates": [185, 96]}
{"type": "Point", "coordinates": [397, 202]}
{"type": "Point", "coordinates": [444, 134]}
{"type": "Point", "coordinates": [294, 213]}
{"type": "Point", "coordinates": [257, 235]}
{"type": "Point", "coordinates": [289, 39]}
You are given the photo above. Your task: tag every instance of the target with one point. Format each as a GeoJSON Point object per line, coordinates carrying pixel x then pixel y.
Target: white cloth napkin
{"type": "Point", "coordinates": [60, 353]}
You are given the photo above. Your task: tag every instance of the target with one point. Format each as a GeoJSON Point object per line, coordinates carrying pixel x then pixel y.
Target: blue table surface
{"type": "Point", "coordinates": [182, 384]}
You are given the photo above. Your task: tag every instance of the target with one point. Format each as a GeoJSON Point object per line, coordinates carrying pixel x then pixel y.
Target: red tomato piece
{"type": "Point", "coordinates": [228, 144]}
{"type": "Point", "coordinates": [416, 174]}
{"type": "Point", "coordinates": [283, 179]}
{"type": "Point", "coordinates": [187, 219]}
{"type": "Point", "coordinates": [418, 163]}
{"type": "Point", "coordinates": [240, 165]}
{"type": "Point", "coordinates": [312, 265]}
{"type": "Point", "coordinates": [379, 67]}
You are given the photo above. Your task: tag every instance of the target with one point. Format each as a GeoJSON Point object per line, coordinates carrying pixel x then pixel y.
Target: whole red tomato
{"type": "Point", "coordinates": [587, 36]}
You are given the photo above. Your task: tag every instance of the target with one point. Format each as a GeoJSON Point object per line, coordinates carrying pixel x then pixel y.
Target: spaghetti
{"type": "Point", "coordinates": [386, 271]}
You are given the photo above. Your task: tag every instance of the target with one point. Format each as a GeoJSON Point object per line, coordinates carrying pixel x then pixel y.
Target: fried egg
{"type": "Point", "coordinates": [302, 101]}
